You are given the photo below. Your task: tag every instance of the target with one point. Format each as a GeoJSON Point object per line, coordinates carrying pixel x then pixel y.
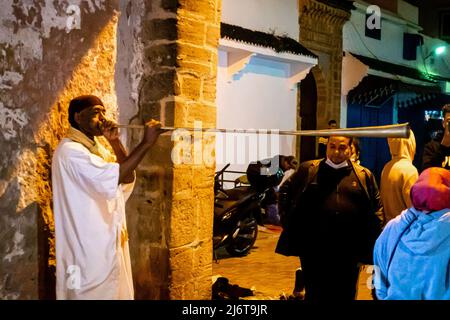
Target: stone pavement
{"type": "Point", "coordinates": [268, 274]}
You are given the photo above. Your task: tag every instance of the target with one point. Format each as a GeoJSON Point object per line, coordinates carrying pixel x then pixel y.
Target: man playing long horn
{"type": "Point", "coordinates": [89, 194]}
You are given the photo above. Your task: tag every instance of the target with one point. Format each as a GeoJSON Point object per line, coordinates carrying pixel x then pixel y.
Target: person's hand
{"type": "Point", "coordinates": [110, 130]}
{"type": "Point", "coordinates": [446, 139]}
{"type": "Point", "coordinates": [151, 132]}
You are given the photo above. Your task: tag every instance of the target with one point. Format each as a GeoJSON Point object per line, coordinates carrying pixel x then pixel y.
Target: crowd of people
{"type": "Point", "coordinates": [335, 220]}
{"type": "Point", "coordinates": [333, 215]}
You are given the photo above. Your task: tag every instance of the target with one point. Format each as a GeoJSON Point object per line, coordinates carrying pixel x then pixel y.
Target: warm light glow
{"type": "Point", "coordinates": [100, 59]}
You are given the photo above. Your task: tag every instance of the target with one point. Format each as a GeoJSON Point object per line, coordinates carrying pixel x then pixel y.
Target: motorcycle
{"type": "Point", "coordinates": [237, 211]}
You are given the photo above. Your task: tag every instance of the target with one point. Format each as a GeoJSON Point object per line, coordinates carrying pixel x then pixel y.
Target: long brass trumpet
{"type": "Point", "coordinates": [388, 131]}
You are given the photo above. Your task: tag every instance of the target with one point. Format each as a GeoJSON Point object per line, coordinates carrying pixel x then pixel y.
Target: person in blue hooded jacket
{"type": "Point", "coordinates": [412, 254]}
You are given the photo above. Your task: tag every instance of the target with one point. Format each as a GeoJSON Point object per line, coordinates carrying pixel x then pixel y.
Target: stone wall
{"type": "Point", "coordinates": [152, 59]}
{"type": "Point", "coordinates": [321, 32]}
{"type": "Point", "coordinates": [49, 52]}
{"type": "Point", "coordinates": [172, 206]}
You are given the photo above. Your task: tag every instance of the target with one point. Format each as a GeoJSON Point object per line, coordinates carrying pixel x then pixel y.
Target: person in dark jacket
{"type": "Point", "coordinates": [332, 216]}
{"type": "Point", "coordinates": [275, 168]}
{"type": "Point", "coordinates": [437, 151]}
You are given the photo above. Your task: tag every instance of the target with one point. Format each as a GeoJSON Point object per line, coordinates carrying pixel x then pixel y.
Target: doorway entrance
{"type": "Point", "coordinates": [308, 112]}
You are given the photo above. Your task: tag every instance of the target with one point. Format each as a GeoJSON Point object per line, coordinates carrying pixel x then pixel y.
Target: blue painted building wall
{"type": "Point", "coordinates": [374, 151]}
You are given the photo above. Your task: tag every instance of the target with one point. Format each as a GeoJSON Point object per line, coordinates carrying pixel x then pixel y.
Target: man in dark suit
{"type": "Point", "coordinates": [332, 216]}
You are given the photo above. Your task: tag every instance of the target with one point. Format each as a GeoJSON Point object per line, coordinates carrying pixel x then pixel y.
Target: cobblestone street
{"type": "Point", "coordinates": [268, 274]}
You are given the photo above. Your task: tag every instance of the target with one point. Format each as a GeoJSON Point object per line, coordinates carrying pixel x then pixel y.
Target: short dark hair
{"type": "Point", "coordinates": [445, 109]}
{"type": "Point", "coordinates": [355, 142]}
{"type": "Point", "coordinates": [291, 161]}
{"type": "Point", "coordinates": [350, 139]}
{"type": "Point", "coordinates": [332, 121]}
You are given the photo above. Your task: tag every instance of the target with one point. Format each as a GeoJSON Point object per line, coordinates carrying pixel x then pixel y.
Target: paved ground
{"type": "Point", "coordinates": [268, 274]}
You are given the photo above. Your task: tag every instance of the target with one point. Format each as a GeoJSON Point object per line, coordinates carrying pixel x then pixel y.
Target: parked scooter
{"type": "Point", "coordinates": [237, 211]}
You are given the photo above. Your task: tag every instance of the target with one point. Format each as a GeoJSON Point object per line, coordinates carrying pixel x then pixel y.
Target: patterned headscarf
{"type": "Point", "coordinates": [431, 192]}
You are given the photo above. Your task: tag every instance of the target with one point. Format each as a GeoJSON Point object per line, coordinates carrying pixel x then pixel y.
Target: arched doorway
{"type": "Point", "coordinates": [308, 112]}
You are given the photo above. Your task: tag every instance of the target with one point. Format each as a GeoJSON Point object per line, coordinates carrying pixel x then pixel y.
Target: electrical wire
{"type": "Point", "coordinates": [424, 61]}
{"type": "Point", "coordinates": [428, 74]}
{"type": "Point", "coordinates": [446, 64]}
{"type": "Point", "coordinates": [368, 49]}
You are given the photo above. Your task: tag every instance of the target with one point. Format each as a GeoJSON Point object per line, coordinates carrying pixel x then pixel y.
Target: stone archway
{"type": "Point", "coordinates": [322, 94]}
{"type": "Point", "coordinates": [321, 24]}
{"type": "Point", "coordinates": [315, 101]}
{"type": "Point", "coordinates": [308, 116]}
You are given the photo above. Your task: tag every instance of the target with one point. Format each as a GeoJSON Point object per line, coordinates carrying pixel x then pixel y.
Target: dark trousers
{"type": "Point", "coordinates": [329, 277]}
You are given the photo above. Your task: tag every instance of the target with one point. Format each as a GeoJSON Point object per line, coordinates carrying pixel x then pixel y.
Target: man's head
{"type": "Point", "coordinates": [87, 113]}
{"type": "Point", "coordinates": [355, 149]}
{"type": "Point", "coordinates": [288, 162]}
{"type": "Point", "coordinates": [339, 149]}
{"type": "Point", "coordinates": [332, 124]}
{"type": "Point", "coordinates": [446, 115]}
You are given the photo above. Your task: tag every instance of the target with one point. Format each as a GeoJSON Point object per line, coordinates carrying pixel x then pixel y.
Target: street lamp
{"type": "Point", "coordinates": [437, 52]}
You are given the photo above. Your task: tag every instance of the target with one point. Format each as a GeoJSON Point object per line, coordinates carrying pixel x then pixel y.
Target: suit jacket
{"type": "Point", "coordinates": [435, 155]}
{"type": "Point", "coordinates": [292, 243]}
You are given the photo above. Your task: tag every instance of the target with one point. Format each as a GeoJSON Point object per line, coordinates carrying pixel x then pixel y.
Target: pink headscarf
{"type": "Point", "coordinates": [431, 192]}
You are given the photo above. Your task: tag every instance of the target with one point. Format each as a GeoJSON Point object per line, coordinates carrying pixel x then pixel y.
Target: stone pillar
{"type": "Point", "coordinates": [170, 214]}
{"type": "Point", "coordinates": [321, 31]}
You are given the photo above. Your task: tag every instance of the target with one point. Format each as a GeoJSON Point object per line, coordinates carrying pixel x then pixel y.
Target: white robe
{"type": "Point", "coordinates": [89, 207]}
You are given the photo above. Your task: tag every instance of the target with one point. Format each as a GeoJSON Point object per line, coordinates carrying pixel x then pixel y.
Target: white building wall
{"type": "Point", "coordinates": [390, 47]}
{"type": "Point", "coordinates": [271, 16]}
{"type": "Point", "coordinates": [259, 96]}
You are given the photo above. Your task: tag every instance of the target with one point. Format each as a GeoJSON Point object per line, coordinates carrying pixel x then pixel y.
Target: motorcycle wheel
{"type": "Point", "coordinates": [245, 239]}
